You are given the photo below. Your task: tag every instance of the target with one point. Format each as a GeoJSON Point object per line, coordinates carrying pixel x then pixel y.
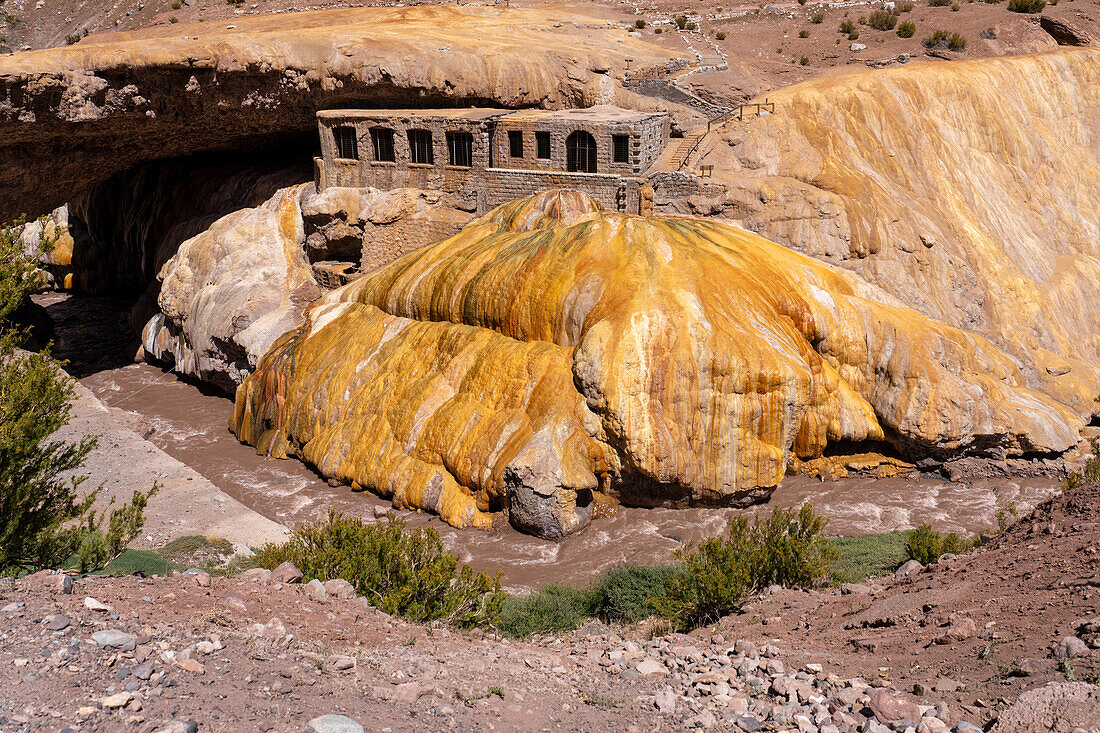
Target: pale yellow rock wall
{"type": "Point", "coordinates": [994, 163]}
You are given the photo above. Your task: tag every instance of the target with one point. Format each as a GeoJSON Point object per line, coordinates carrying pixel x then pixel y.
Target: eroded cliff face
{"type": "Point", "coordinates": [551, 350]}
{"type": "Point", "coordinates": [71, 117]}
{"type": "Point", "coordinates": [969, 191]}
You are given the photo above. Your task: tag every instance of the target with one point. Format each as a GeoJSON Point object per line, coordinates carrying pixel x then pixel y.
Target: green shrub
{"type": "Point", "coordinates": [623, 594]}
{"type": "Point", "coordinates": [817, 18]}
{"type": "Point", "coordinates": [44, 523]}
{"type": "Point", "coordinates": [720, 36]}
{"type": "Point", "coordinates": [639, 24]}
{"type": "Point", "coordinates": [847, 27]}
{"type": "Point", "coordinates": [882, 20]}
{"type": "Point", "coordinates": [658, 31]}
{"type": "Point", "coordinates": [403, 572]}
{"type": "Point", "coordinates": [926, 545]}
{"type": "Point", "coordinates": [957, 42]}
{"type": "Point", "coordinates": [785, 548]}
{"type": "Point", "coordinates": [554, 609]}
{"type": "Point", "coordinates": [72, 38]}
{"type": "Point", "coordinates": [627, 593]}
{"type": "Point", "coordinates": [937, 39]}
{"type": "Point", "coordinates": [1026, 6]}
{"type": "Point", "coordinates": [867, 555]}
{"type": "Point", "coordinates": [803, 33]}
{"type": "Point", "coordinates": [173, 20]}
{"type": "Point", "coordinates": [939, 3]}
{"type": "Point", "coordinates": [854, 35]}
{"type": "Point", "coordinates": [905, 7]}
{"type": "Point", "coordinates": [681, 21]}
{"type": "Point", "coordinates": [906, 29]}
{"type": "Point", "coordinates": [1090, 472]}
{"type": "Point", "coordinates": [690, 26]}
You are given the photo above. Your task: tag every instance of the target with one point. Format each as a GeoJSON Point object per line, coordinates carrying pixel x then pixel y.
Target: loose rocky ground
{"type": "Point", "coordinates": [940, 649]}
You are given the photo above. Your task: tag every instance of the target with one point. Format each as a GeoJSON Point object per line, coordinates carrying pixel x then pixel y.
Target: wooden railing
{"type": "Point", "coordinates": [738, 112]}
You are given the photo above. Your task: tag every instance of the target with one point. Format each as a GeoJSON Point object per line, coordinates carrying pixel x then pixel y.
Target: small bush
{"type": "Point", "coordinates": [177, 5]}
{"type": "Point", "coordinates": [554, 609]}
{"type": "Point", "coordinates": [690, 26]}
{"type": "Point", "coordinates": [785, 548]}
{"type": "Point", "coordinates": [957, 42]}
{"type": "Point", "coordinates": [639, 24]}
{"type": "Point", "coordinates": [720, 36]}
{"type": "Point", "coordinates": [853, 36]}
{"type": "Point", "coordinates": [627, 593]}
{"type": "Point", "coordinates": [173, 19]}
{"type": "Point", "coordinates": [936, 40]}
{"type": "Point", "coordinates": [803, 34]}
{"type": "Point", "coordinates": [401, 571]}
{"type": "Point", "coordinates": [1026, 6]}
{"type": "Point", "coordinates": [658, 31]}
{"type": "Point", "coordinates": [882, 20]}
{"type": "Point", "coordinates": [955, 8]}
{"type": "Point", "coordinates": [801, 2]}
{"type": "Point", "coordinates": [926, 545]}
{"type": "Point", "coordinates": [905, 7]}
{"type": "Point", "coordinates": [939, 3]}
{"type": "Point", "coordinates": [817, 18]}
{"type": "Point", "coordinates": [867, 555]}
{"type": "Point", "coordinates": [1090, 472]}
{"type": "Point", "coordinates": [72, 38]}
{"type": "Point", "coordinates": [681, 21]}
{"type": "Point", "coordinates": [804, 61]}
{"type": "Point", "coordinates": [906, 29]}
{"type": "Point", "coordinates": [847, 27]}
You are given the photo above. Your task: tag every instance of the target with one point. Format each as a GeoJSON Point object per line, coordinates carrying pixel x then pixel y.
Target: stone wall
{"type": "Point", "coordinates": [646, 135]}
{"type": "Point", "coordinates": [613, 192]}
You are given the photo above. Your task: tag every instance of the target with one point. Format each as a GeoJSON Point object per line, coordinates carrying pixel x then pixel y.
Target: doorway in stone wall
{"type": "Point", "coordinates": [580, 152]}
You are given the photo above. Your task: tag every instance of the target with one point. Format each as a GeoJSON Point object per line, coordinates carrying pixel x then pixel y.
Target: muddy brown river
{"type": "Point", "coordinates": [190, 424]}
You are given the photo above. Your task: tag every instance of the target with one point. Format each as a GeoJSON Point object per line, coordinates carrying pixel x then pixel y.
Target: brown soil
{"type": "Point", "coordinates": [1025, 591]}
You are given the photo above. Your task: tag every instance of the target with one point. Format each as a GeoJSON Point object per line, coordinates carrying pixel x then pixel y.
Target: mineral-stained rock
{"type": "Point", "coordinates": [552, 349]}
{"type": "Point", "coordinates": [991, 161]}
{"type": "Point", "coordinates": [1065, 32]}
{"type": "Point", "coordinates": [229, 292]}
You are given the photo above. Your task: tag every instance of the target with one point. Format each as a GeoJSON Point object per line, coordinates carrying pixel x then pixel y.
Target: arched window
{"type": "Point", "coordinates": [580, 152]}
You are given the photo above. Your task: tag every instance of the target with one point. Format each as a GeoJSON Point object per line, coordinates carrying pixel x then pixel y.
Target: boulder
{"type": "Point", "coordinates": [910, 567]}
{"type": "Point", "coordinates": [1058, 707]}
{"type": "Point", "coordinates": [287, 572]}
{"type": "Point", "coordinates": [889, 707]}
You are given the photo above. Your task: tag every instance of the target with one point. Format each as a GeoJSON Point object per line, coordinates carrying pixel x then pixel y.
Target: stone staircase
{"type": "Point", "coordinates": [677, 155]}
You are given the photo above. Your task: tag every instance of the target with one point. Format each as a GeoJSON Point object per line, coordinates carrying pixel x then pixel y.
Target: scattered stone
{"type": "Point", "coordinates": [64, 584]}
{"type": "Point", "coordinates": [650, 666]}
{"type": "Point", "coordinates": [334, 724]}
{"type": "Point", "coordinates": [315, 590]}
{"type": "Point", "coordinates": [144, 671]}
{"type": "Point", "coordinates": [964, 727]}
{"type": "Point", "coordinates": [340, 588]}
{"type": "Point", "coordinates": [408, 693]}
{"type": "Point", "coordinates": [912, 567]}
{"type": "Point", "coordinates": [115, 640]}
{"type": "Point", "coordinates": [855, 589]}
{"type": "Point", "coordinates": [11, 608]}
{"type": "Point", "coordinates": [192, 665]}
{"type": "Point", "coordinates": [118, 700]}
{"type": "Point", "coordinates": [1070, 646]}
{"type": "Point", "coordinates": [93, 605]}
{"type": "Point", "coordinates": [960, 629]}
{"type": "Point", "coordinates": [179, 726]}
{"type": "Point", "coordinates": [857, 47]}
{"type": "Point", "coordinates": [286, 573]}
{"type": "Point", "coordinates": [256, 575]}
{"type": "Point", "coordinates": [382, 511]}
{"type": "Point", "coordinates": [58, 622]}
{"type": "Point", "coordinates": [340, 662]}
{"type": "Point", "coordinates": [890, 708]}
{"type": "Point", "coordinates": [1032, 667]}
{"type": "Point", "coordinates": [665, 700]}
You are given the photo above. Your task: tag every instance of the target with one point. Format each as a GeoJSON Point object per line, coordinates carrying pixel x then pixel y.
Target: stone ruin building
{"type": "Point", "coordinates": [487, 157]}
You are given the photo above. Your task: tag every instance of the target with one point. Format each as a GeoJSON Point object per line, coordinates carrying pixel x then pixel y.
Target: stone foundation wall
{"type": "Point", "coordinates": [616, 193]}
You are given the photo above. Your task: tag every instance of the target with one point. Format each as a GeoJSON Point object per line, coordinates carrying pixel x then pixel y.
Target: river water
{"type": "Point", "coordinates": [190, 424]}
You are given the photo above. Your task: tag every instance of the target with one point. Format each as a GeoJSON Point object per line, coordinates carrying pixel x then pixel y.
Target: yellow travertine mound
{"type": "Point", "coordinates": [551, 349]}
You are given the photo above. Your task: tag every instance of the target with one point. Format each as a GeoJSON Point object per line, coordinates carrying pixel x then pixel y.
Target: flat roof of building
{"type": "Point", "coordinates": [450, 113]}
{"type": "Point", "coordinates": [602, 113]}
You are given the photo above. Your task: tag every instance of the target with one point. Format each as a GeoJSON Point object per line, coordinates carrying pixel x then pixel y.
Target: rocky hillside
{"type": "Point", "coordinates": [1002, 639]}
{"type": "Point", "coordinates": [967, 191]}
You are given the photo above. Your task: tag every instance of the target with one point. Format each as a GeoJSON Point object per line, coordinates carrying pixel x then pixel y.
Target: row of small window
{"type": "Point", "coordinates": [620, 145]}
{"type": "Point", "coordinates": [580, 147]}
{"type": "Point", "coordinates": [460, 146]}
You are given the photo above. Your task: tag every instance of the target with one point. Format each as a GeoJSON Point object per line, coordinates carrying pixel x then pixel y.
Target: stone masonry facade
{"type": "Point", "coordinates": [487, 157]}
